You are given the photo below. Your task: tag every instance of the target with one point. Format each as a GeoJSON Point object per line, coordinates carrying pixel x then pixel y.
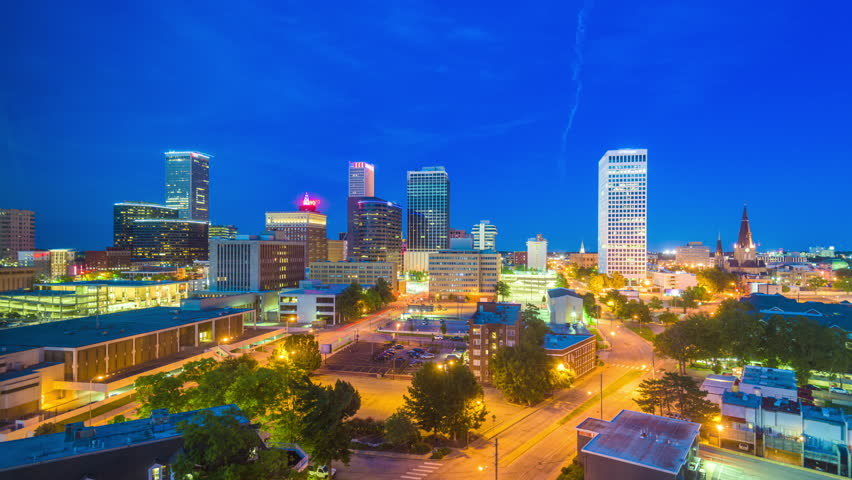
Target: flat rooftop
{"type": "Point", "coordinates": [335, 289]}
{"type": "Point", "coordinates": [769, 377]}
{"type": "Point", "coordinates": [651, 441]}
{"type": "Point", "coordinates": [824, 414]}
{"type": "Point", "coordinates": [563, 292]}
{"type": "Point", "coordinates": [561, 342]}
{"type": "Point", "coordinates": [741, 399]}
{"type": "Point", "coordinates": [497, 313]}
{"type": "Point", "coordinates": [78, 440]}
{"type": "Point", "coordinates": [113, 283]}
{"type": "Point", "coordinates": [79, 332]}
{"type": "Point", "coordinates": [11, 374]}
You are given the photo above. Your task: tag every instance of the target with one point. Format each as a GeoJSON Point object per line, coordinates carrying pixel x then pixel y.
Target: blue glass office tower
{"type": "Point", "coordinates": [188, 184]}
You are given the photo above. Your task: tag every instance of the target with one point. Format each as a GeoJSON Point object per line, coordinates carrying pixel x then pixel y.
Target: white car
{"type": "Point", "coordinates": [427, 356]}
{"type": "Point", "coordinates": [838, 390]}
{"type": "Point", "coordinates": [321, 471]}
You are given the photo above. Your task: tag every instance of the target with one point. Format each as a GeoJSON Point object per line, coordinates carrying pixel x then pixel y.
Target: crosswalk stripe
{"type": "Point", "coordinates": [409, 478]}
{"type": "Point", "coordinates": [418, 474]}
{"type": "Point", "coordinates": [433, 463]}
{"type": "Point", "coordinates": [419, 469]}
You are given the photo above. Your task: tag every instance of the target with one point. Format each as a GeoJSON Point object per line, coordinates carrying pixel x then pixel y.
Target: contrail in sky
{"type": "Point", "coordinates": [576, 71]}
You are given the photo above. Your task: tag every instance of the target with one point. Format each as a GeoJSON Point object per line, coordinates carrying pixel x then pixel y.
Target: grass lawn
{"type": "Point", "coordinates": [645, 333]}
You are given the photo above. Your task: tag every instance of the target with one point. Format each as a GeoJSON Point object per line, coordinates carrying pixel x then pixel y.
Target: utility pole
{"type": "Point", "coordinates": [601, 394]}
{"type": "Point", "coordinates": [496, 457]}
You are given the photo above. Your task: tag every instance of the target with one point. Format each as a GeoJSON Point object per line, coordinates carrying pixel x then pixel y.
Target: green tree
{"type": "Point", "coordinates": [349, 302]}
{"type": "Point", "coordinates": [815, 283]}
{"type": "Point", "coordinates": [160, 391]}
{"type": "Point", "coordinates": [596, 283]}
{"type": "Point", "coordinates": [383, 288]}
{"type": "Point", "coordinates": [445, 399]}
{"type": "Point", "coordinates": [590, 305]}
{"type": "Point", "coordinates": [716, 280]}
{"type": "Point", "coordinates": [524, 373]}
{"type": "Point", "coordinates": [118, 419]}
{"type": "Point", "coordinates": [668, 318]}
{"type": "Point", "coordinates": [617, 280]}
{"type": "Point", "coordinates": [655, 303]}
{"type": "Point", "coordinates": [303, 351]}
{"type": "Point", "coordinates": [533, 327]}
{"type": "Point", "coordinates": [502, 289]}
{"type": "Point", "coordinates": [844, 284]}
{"type": "Point", "coordinates": [741, 331]}
{"type": "Point", "coordinates": [46, 429]}
{"type": "Point", "coordinates": [678, 394]}
{"type": "Point", "coordinates": [325, 434]}
{"type": "Point", "coordinates": [221, 447]}
{"type": "Point", "coordinates": [574, 471]}
{"type": "Point", "coordinates": [443, 328]}
{"type": "Point", "coordinates": [13, 315]}
{"type": "Point", "coordinates": [400, 430]}
{"type": "Point", "coordinates": [417, 275]}
{"type": "Point", "coordinates": [561, 281]}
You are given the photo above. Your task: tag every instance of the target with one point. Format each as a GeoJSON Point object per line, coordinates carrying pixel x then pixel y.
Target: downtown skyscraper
{"type": "Point", "coordinates": [188, 184]}
{"type": "Point", "coordinates": [428, 209]}
{"type": "Point", "coordinates": [362, 183]}
{"type": "Point", "coordinates": [623, 213]}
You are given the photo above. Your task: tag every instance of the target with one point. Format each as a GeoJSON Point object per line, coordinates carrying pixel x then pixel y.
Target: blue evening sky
{"type": "Point", "coordinates": [736, 102]}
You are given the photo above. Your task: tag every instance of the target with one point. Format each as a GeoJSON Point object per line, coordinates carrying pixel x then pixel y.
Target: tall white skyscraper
{"type": "Point", "coordinates": [623, 213]}
{"type": "Point", "coordinates": [484, 235]}
{"type": "Point", "coordinates": [361, 179]}
{"type": "Point", "coordinates": [362, 182]}
{"type": "Point", "coordinates": [537, 253]}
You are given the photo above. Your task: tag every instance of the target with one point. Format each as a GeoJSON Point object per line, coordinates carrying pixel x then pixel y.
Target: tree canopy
{"type": "Point", "coordinates": [445, 399]}
{"type": "Point", "coordinates": [675, 394]}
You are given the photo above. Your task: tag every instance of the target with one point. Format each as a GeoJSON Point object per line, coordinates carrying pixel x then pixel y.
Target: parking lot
{"type": "Point", "coordinates": [366, 357]}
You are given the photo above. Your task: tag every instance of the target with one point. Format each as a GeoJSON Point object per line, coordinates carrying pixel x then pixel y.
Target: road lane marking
{"type": "Point", "coordinates": [409, 478]}
{"type": "Point", "coordinates": [432, 463]}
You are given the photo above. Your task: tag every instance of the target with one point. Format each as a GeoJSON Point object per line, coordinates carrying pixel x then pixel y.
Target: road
{"type": "Point", "coordinates": [532, 443]}
{"type": "Point", "coordinates": [722, 464]}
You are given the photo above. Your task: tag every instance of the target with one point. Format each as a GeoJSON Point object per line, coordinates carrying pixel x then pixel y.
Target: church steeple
{"type": "Point", "coordinates": [582, 247]}
{"type": "Point", "coordinates": [719, 251]}
{"type": "Point", "coordinates": [744, 239]}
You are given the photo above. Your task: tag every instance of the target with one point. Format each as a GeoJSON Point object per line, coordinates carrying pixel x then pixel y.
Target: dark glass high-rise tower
{"type": "Point", "coordinates": [377, 234]}
{"type": "Point", "coordinates": [188, 184]}
{"type": "Point", "coordinates": [428, 209]}
{"type": "Point", "coordinates": [123, 215]}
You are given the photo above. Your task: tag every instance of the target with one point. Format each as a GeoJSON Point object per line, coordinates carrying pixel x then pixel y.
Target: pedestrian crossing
{"type": "Point", "coordinates": [634, 367]}
{"type": "Point", "coordinates": [421, 471]}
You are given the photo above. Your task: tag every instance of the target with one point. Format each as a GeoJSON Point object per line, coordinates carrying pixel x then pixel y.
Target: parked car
{"type": "Point", "coordinates": [456, 338]}
{"type": "Point", "coordinates": [419, 350]}
{"type": "Point", "coordinates": [398, 347]}
{"type": "Point", "coordinates": [438, 337]}
{"type": "Point", "coordinates": [427, 356]}
{"type": "Point", "coordinates": [452, 358]}
{"type": "Point", "coordinates": [838, 390]}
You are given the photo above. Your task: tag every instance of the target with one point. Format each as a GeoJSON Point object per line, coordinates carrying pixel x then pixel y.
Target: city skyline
{"type": "Point", "coordinates": [722, 131]}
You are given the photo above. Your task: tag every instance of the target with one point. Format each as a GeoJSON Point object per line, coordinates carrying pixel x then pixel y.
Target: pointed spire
{"type": "Point", "coordinates": [719, 250]}
{"type": "Point", "coordinates": [582, 247]}
{"type": "Point", "coordinates": [744, 239]}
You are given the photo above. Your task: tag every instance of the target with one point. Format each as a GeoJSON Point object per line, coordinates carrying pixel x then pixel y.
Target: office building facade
{"type": "Point", "coordinates": [462, 273]}
{"type": "Point", "coordinates": [377, 234]}
{"type": "Point", "coordinates": [255, 263]}
{"type": "Point", "coordinates": [484, 236]}
{"type": "Point", "coordinates": [428, 209]}
{"type": "Point", "coordinates": [345, 273]}
{"type": "Point", "coordinates": [493, 326]}
{"type": "Point", "coordinates": [361, 184]}
{"type": "Point", "coordinates": [17, 232]}
{"type": "Point", "coordinates": [188, 184]}
{"type": "Point", "coordinates": [222, 231]}
{"type": "Point", "coordinates": [113, 259]}
{"type": "Point", "coordinates": [537, 253]}
{"type": "Point", "coordinates": [307, 226]}
{"type": "Point", "coordinates": [623, 213]}
{"type": "Point", "coordinates": [125, 213]}
{"type": "Point", "coordinates": [693, 254]}
{"type": "Point", "coordinates": [174, 242]}
{"type": "Point", "coordinates": [311, 302]}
